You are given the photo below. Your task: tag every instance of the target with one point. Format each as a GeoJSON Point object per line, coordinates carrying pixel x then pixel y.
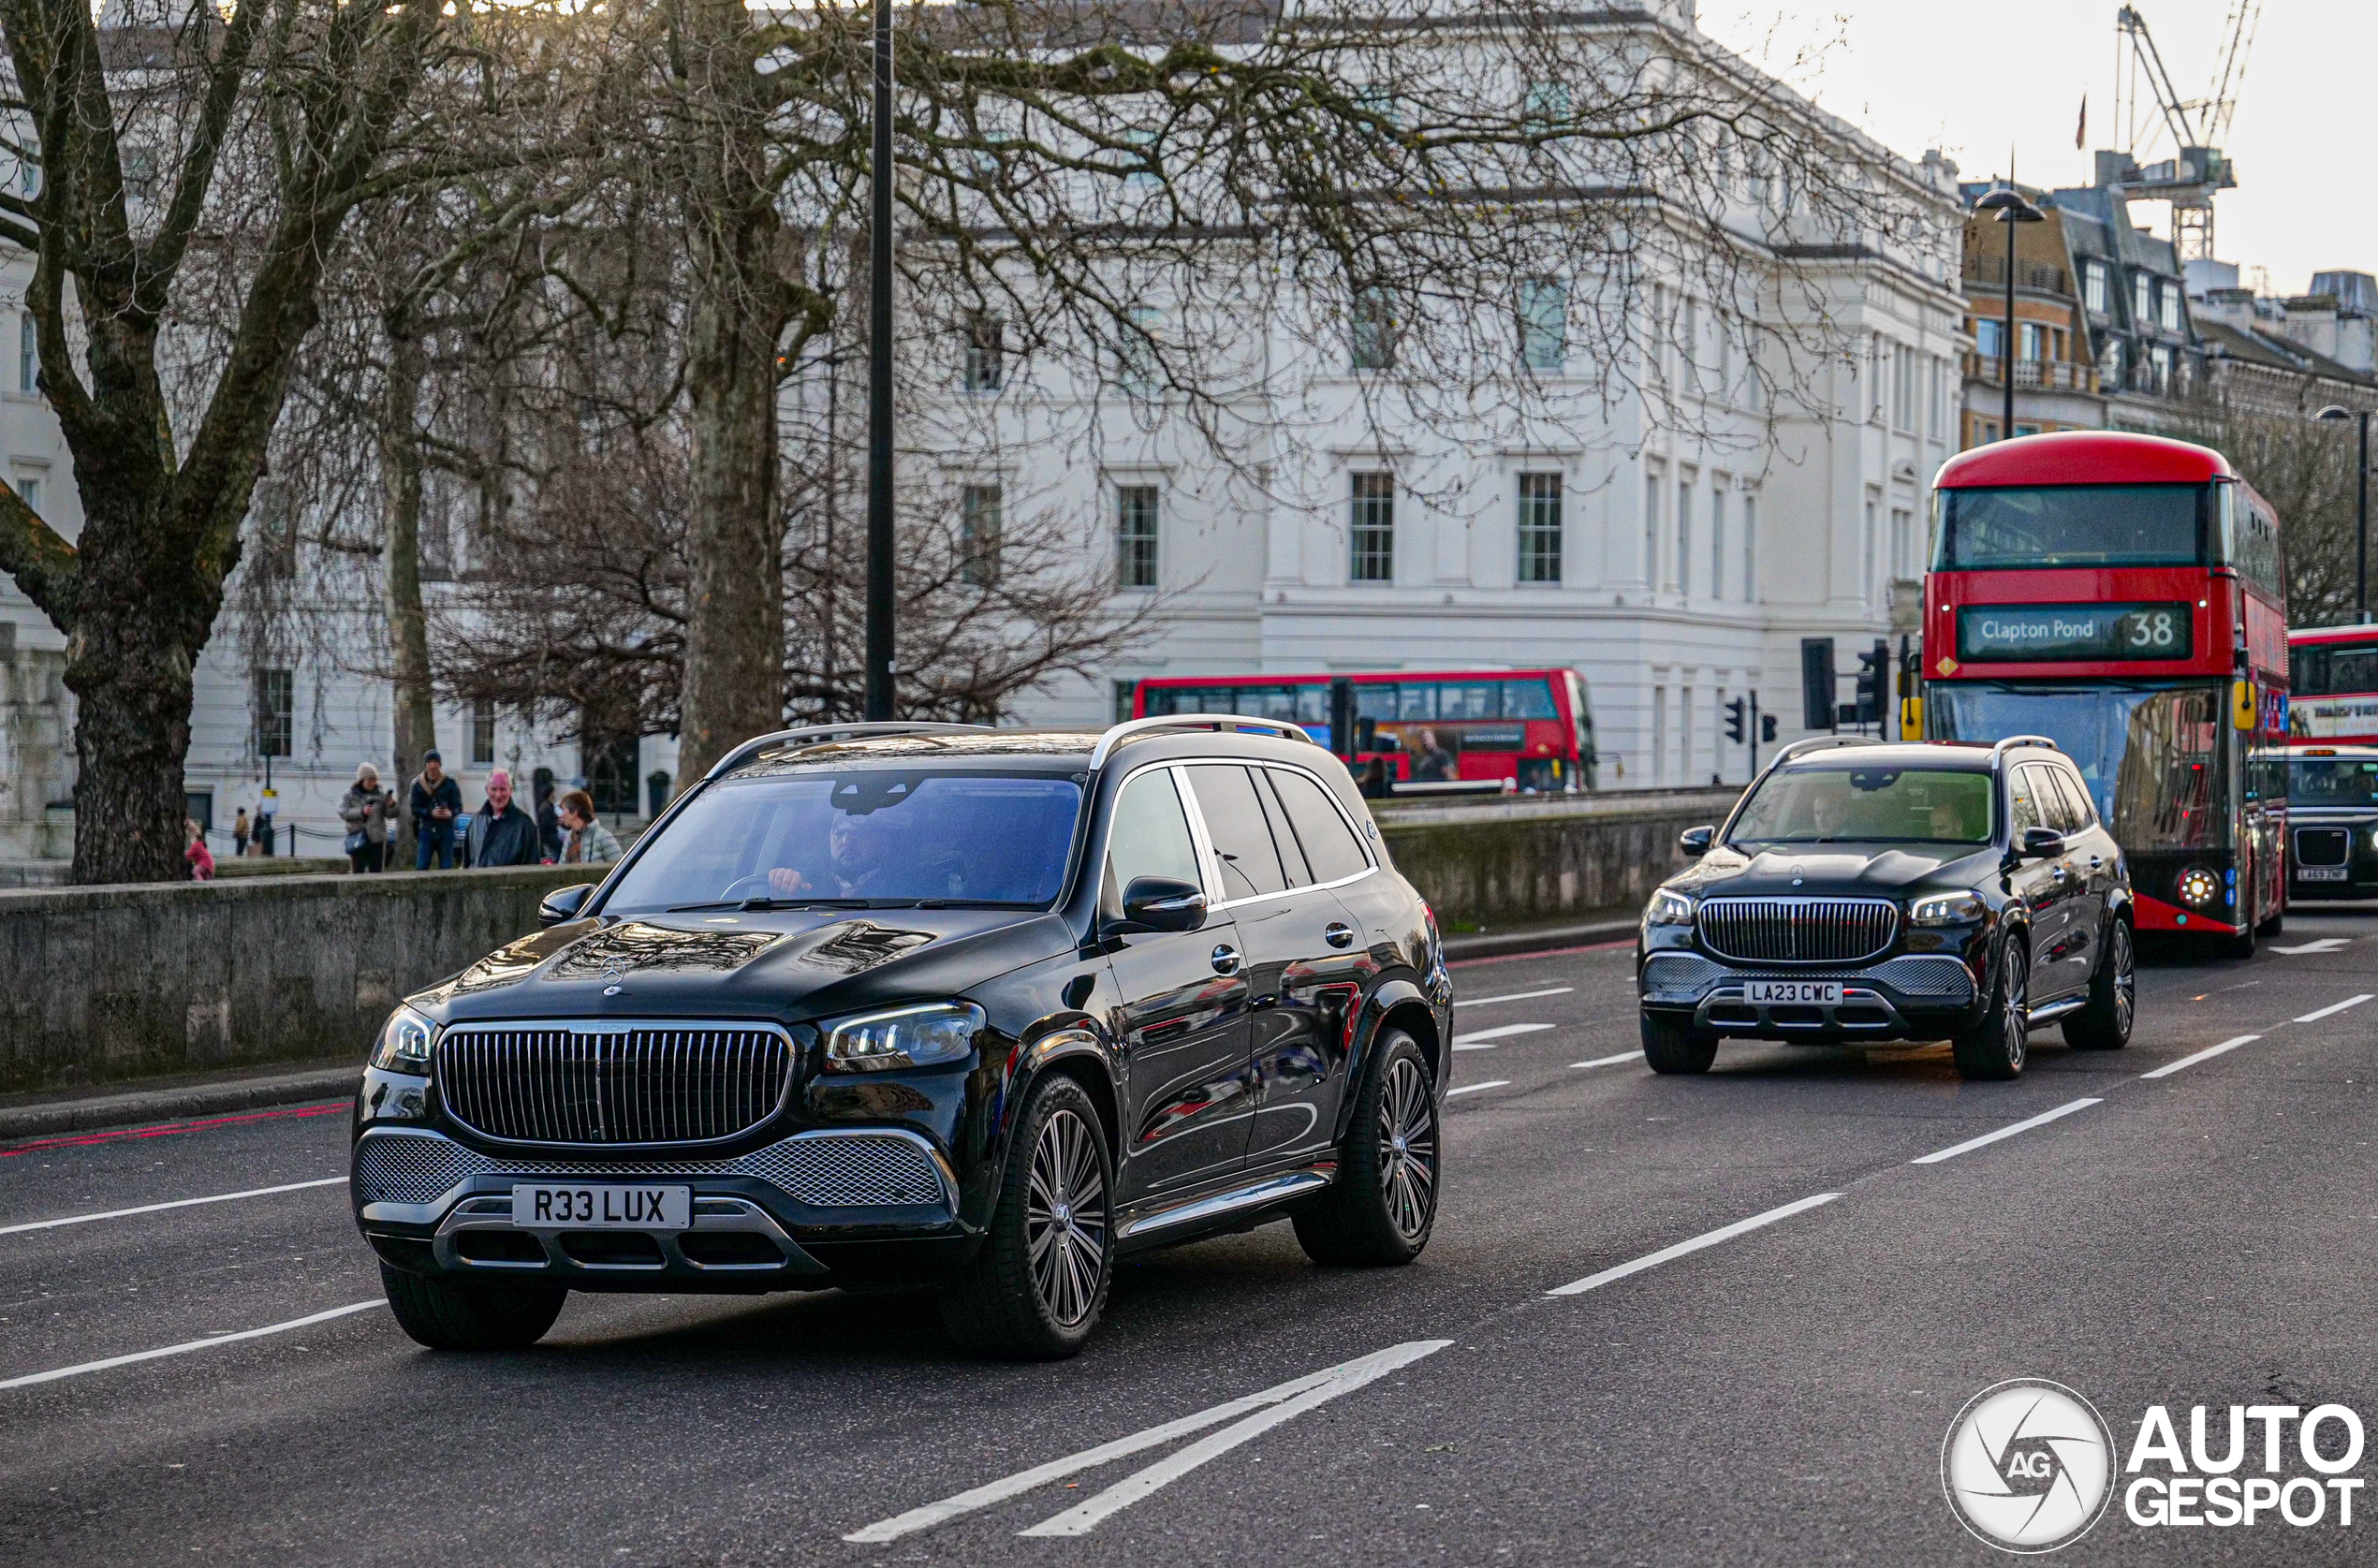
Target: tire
{"type": "Point", "coordinates": [1676, 1047]}
{"type": "Point", "coordinates": [1995, 1049]}
{"type": "Point", "coordinates": [2105, 1023]}
{"type": "Point", "coordinates": [1379, 1211]}
{"type": "Point", "coordinates": [1056, 1194]}
{"type": "Point", "coordinates": [449, 1314]}
{"type": "Point", "coordinates": [2239, 947]}
{"type": "Point", "coordinates": [2276, 924]}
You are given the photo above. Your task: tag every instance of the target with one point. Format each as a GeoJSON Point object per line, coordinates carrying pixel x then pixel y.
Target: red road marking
{"type": "Point", "coordinates": [1546, 953]}
{"type": "Point", "coordinates": [165, 1129]}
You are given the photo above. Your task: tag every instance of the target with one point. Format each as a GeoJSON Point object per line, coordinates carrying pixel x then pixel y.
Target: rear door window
{"type": "Point", "coordinates": [2077, 814]}
{"type": "Point", "coordinates": [1242, 836]}
{"type": "Point", "coordinates": [1330, 847]}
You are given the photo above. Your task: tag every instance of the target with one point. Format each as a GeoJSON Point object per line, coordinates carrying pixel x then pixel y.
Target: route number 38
{"type": "Point", "coordinates": [2153, 628]}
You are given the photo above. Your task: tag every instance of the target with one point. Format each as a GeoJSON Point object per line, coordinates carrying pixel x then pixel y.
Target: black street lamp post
{"type": "Point", "coordinates": [880, 599]}
{"type": "Point", "coordinates": [2011, 209]}
{"type": "Point", "coordinates": [2361, 509]}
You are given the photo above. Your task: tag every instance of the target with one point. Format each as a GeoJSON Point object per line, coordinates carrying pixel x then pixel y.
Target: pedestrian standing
{"type": "Point", "coordinates": [588, 842]}
{"type": "Point", "coordinates": [240, 833]}
{"type": "Point", "coordinates": [200, 858]}
{"type": "Point", "coordinates": [367, 810]}
{"type": "Point", "coordinates": [435, 801]}
{"type": "Point", "coordinates": [502, 835]}
{"type": "Point", "coordinates": [549, 821]}
{"type": "Point", "coordinates": [1377, 785]}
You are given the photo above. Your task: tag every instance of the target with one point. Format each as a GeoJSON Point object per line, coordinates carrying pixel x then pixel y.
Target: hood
{"type": "Point", "coordinates": [784, 964]}
{"type": "Point", "coordinates": [1832, 870]}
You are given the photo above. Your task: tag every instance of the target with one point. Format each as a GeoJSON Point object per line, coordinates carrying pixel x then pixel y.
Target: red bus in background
{"type": "Point", "coordinates": [1531, 727]}
{"type": "Point", "coordinates": [2332, 684]}
{"type": "Point", "coordinates": [2124, 595]}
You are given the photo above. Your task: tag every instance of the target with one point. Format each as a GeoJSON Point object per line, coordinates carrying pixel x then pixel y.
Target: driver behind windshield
{"type": "Point", "coordinates": [858, 861]}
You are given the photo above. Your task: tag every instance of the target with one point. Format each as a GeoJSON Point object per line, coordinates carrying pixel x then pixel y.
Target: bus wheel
{"type": "Point", "coordinates": [2243, 945]}
{"type": "Point", "coordinates": [2274, 925]}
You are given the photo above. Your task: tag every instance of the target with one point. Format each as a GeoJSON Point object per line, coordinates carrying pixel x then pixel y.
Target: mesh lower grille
{"type": "Point", "coordinates": [844, 1170]}
{"type": "Point", "coordinates": [1930, 977]}
{"type": "Point", "coordinates": [1670, 973]}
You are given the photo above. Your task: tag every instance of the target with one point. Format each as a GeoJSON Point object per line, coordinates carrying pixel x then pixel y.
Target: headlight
{"type": "Point", "coordinates": [2199, 888]}
{"type": "Point", "coordinates": [1948, 909]}
{"type": "Point", "coordinates": [405, 1042]}
{"type": "Point", "coordinates": [918, 1037]}
{"type": "Point", "coordinates": [1669, 908]}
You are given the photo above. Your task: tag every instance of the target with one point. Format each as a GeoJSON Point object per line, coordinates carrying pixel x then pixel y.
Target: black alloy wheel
{"type": "Point", "coordinates": [2105, 1023]}
{"type": "Point", "coordinates": [1383, 1204]}
{"type": "Point", "coordinates": [1034, 1289]}
{"type": "Point", "coordinates": [1996, 1047]}
{"type": "Point", "coordinates": [458, 1315]}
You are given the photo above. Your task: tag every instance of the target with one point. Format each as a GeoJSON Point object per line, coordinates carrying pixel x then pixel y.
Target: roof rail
{"type": "Point", "coordinates": [1133, 728]}
{"type": "Point", "coordinates": [819, 735]}
{"type": "Point", "coordinates": [2023, 740]}
{"type": "Point", "coordinates": [1821, 742]}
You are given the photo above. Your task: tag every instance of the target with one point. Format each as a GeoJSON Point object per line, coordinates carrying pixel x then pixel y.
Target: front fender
{"type": "Point", "coordinates": [1075, 1045]}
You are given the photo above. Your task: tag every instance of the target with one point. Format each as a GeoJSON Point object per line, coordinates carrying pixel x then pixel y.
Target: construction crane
{"type": "Point", "coordinates": [2197, 168]}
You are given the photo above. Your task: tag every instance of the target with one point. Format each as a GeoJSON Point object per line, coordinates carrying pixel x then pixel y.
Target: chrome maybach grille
{"type": "Point", "coordinates": [1797, 930]}
{"type": "Point", "coordinates": [628, 1083]}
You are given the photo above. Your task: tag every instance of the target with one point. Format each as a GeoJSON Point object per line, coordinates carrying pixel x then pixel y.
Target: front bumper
{"type": "Point", "coordinates": [795, 1214]}
{"type": "Point", "coordinates": [1912, 997]}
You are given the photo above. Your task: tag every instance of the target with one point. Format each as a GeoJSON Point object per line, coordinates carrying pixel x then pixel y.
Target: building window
{"type": "Point", "coordinates": [1659, 734]}
{"type": "Point", "coordinates": [2032, 341]}
{"type": "Point", "coordinates": [275, 712]}
{"type": "Point", "coordinates": [1126, 698]}
{"type": "Point", "coordinates": [483, 732]}
{"type": "Point", "coordinates": [1547, 104]}
{"type": "Point", "coordinates": [1539, 528]}
{"type": "Point", "coordinates": [978, 534]}
{"type": "Point", "coordinates": [1370, 528]}
{"type": "Point", "coordinates": [1990, 342]}
{"type": "Point", "coordinates": [1750, 549]}
{"type": "Point", "coordinates": [1688, 342]}
{"type": "Point", "coordinates": [2109, 365]}
{"type": "Point", "coordinates": [28, 487]}
{"type": "Point", "coordinates": [2168, 298]}
{"type": "Point", "coordinates": [1903, 392]}
{"type": "Point", "coordinates": [2142, 298]}
{"type": "Point", "coordinates": [1683, 558]}
{"type": "Point", "coordinates": [2093, 290]}
{"type": "Point", "coordinates": [1903, 543]}
{"type": "Point", "coordinates": [28, 354]}
{"type": "Point", "coordinates": [985, 354]}
{"type": "Point", "coordinates": [2161, 358]}
{"type": "Point", "coordinates": [1866, 578]}
{"type": "Point", "coordinates": [1374, 336]}
{"type": "Point", "coordinates": [1717, 537]}
{"type": "Point", "coordinates": [1544, 322]}
{"type": "Point", "coordinates": [1136, 536]}
{"type": "Point", "coordinates": [1652, 480]}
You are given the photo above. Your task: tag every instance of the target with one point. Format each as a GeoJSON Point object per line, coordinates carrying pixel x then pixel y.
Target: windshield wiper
{"type": "Point", "coordinates": [764, 903]}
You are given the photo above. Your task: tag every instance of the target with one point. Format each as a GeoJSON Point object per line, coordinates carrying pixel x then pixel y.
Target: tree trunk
{"type": "Point", "coordinates": [734, 680]}
{"type": "Point", "coordinates": [411, 702]}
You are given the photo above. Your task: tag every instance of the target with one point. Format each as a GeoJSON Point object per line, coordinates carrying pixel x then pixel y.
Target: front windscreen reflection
{"type": "Point", "coordinates": [874, 839]}
{"type": "Point", "coordinates": [1867, 805]}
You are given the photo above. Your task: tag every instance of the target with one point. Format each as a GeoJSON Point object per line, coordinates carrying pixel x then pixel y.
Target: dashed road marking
{"type": "Point", "coordinates": [1953, 1151]}
{"type": "Point", "coordinates": [1708, 1239]}
{"type": "Point", "coordinates": [1474, 1088]}
{"type": "Point", "coordinates": [2334, 1007]}
{"type": "Point", "coordinates": [1477, 1039]}
{"type": "Point", "coordinates": [187, 1346]}
{"type": "Point", "coordinates": [177, 1203]}
{"type": "Point", "coordinates": [1515, 996]}
{"type": "Point", "coordinates": [2169, 1068]}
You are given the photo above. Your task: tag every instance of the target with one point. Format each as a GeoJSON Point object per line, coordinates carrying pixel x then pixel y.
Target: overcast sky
{"type": "Point", "coordinates": [1921, 74]}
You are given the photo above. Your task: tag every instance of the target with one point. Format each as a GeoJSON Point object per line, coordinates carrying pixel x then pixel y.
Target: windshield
{"type": "Point", "coordinates": [1867, 805]}
{"type": "Point", "coordinates": [2151, 755]}
{"type": "Point", "coordinates": [2334, 669]}
{"type": "Point", "coordinates": [2332, 782]}
{"type": "Point", "coordinates": [2070, 525]}
{"type": "Point", "coordinates": [864, 838]}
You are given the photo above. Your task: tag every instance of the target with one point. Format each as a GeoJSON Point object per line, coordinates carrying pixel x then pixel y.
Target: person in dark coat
{"type": "Point", "coordinates": [549, 823]}
{"type": "Point", "coordinates": [502, 835]}
{"type": "Point", "coordinates": [436, 801]}
{"type": "Point", "coordinates": [1377, 783]}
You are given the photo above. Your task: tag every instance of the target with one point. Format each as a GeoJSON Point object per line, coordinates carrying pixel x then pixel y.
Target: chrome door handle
{"type": "Point", "coordinates": [1226, 959]}
{"type": "Point", "coordinates": [1338, 934]}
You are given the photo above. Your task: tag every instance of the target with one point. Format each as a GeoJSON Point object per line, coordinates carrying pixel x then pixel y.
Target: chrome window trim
{"type": "Point", "coordinates": [1197, 840]}
{"type": "Point", "coordinates": [1205, 840]}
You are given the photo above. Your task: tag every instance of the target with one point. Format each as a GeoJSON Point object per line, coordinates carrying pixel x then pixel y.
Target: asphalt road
{"type": "Point", "coordinates": [1778, 1394]}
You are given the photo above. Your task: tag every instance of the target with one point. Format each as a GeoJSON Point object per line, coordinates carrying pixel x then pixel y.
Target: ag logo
{"type": "Point", "coordinates": [2028, 1466]}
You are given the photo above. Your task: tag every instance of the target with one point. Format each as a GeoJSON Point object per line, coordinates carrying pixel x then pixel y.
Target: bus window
{"type": "Point", "coordinates": [2070, 525]}
{"type": "Point", "coordinates": [1528, 699]}
{"type": "Point", "coordinates": [2334, 670]}
{"type": "Point", "coordinates": [1470, 699]}
{"type": "Point", "coordinates": [1416, 700]}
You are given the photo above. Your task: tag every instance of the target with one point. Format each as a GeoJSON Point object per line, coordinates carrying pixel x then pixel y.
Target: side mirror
{"type": "Point", "coordinates": [1160, 903]}
{"type": "Point", "coordinates": [2041, 843]}
{"type": "Point", "coordinates": [562, 904]}
{"type": "Point", "coordinates": [1696, 841]}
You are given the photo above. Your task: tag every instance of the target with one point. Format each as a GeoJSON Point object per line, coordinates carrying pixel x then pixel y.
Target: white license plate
{"type": "Point", "coordinates": [1822, 992]}
{"type": "Point", "coordinates": [607, 1205]}
{"type": "Point", "coordinates": [2320, 873]}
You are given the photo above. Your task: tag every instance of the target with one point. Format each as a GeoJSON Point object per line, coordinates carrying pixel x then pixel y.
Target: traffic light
{"type": "Point", "coordinates": [1738, 714]}
{"type": "Point", "coordinates": [1767, 727]}
{"type": "Point", "coordinates": [1873, 671]}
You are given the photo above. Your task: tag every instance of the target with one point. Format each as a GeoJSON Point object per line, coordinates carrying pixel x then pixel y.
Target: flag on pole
{"type": "Point", "coordinates": [2080, 132]}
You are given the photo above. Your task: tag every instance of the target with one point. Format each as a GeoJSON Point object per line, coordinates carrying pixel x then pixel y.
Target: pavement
{"type": "Point", "coordinates": [1696, 1320]}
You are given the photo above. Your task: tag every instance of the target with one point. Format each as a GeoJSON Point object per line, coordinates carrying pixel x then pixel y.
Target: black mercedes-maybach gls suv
{"type": "Point", "coordinates": [1870, 891]}
{"type": "Point", "coordinates": [976, 1009]}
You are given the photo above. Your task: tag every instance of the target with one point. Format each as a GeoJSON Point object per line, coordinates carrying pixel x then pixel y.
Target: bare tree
{"type": "Point", "coordinates": [2304, 467]}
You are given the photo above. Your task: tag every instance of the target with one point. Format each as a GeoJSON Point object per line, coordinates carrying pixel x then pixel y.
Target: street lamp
{"type": "Point", "coordinates": [2011, 208]}
{"type": "Point", "coordinates": [2361, 509]}
{"type": "Point", "coordinates": [879, 384]}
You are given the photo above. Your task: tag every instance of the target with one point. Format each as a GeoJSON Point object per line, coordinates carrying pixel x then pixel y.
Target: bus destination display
{"type": "Point", "coordinates": [2079, 632]}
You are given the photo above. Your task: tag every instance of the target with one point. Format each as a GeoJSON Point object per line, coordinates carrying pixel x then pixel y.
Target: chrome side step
{"type": "Point", "coordinates": [2035, 1016]}
{"type": "Point", "coordinates": [1269, 1191]}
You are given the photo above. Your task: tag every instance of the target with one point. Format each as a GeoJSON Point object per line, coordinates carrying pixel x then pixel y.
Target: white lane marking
{"type": "Point", "coordinates": [1515, 996]}
{"type": "Point", "coordinates": [2326, 944]}
{"type": "Point", "coordinates": [1710, 1239]}
{"type": "Point", "coordinates": [1610, 1061]}
{"type": "Point", "coordinates": [186, 1348]}
{"type": "Point", "coordinates": [1087, 1516]}
{"type": "Point", "coordinates": [1477, 1038]}
{"type": "Point", "coordinates": [177, 1203]}
{"type": "Point", "coordinates": [1953, 1151]}
{"type": "Point", "coordinates": [2334, 1007]}
{"type": "Point", "coordinates": [2169, 1068]}
{"type": "Point", "coordinates": [1474, 1088]}
{"type": "Point", "coordinates": [949, 1508]}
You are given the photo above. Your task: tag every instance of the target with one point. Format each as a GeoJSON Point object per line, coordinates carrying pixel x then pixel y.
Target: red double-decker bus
{"type": "Point", "coordinates": [2332, 684]}
{"type": "Point", "coordinates": [2124, 595]}
{"type": "Point", "coordinates": [1531, 727]}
